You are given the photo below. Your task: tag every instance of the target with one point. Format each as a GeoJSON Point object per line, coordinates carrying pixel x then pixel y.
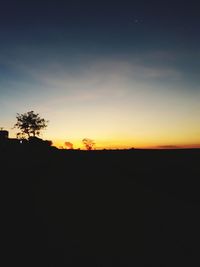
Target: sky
{"type": "Point", "coordinates": [123, 73]}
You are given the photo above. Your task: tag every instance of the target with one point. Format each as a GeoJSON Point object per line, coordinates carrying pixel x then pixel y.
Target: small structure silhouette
{"type": "Point", "coordinates": [33, 141]}
{"type": "Point", "coordinates": [5, 140]}
{"type": "Point", "coordinates": [3, 135]}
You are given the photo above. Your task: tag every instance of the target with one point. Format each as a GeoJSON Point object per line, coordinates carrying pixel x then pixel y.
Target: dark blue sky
{"type": "Point", "coordinates": [167, 23]}
{"type": "Point", "coordinates": [87, 52]}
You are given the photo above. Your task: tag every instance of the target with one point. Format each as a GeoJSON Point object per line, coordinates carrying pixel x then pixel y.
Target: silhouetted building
{"type": "Point", "coordinates": [6, 141]}
{"type": "Point", "coordinates": [3, 135]}
{"type": "Point", "coordinates": [33, 141]}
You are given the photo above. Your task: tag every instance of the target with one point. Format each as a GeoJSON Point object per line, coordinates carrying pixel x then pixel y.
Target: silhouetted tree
{"type": "Point", "coordinates": [69, 145]}
{"type": "Point", "coordinates": [89, 143]}
{"type": "Point", "coordinates": [30, 124]}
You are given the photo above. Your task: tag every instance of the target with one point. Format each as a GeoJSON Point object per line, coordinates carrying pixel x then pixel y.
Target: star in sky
{"type": "Point", "coordinates": [136, 20]}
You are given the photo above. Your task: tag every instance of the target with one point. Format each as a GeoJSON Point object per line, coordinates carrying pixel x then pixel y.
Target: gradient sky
{"type": "Point", "coordinates": [124, 74]}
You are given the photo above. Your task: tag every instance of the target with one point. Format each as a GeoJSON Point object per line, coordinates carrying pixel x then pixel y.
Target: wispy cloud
{"type": "Point", "coordinates": [168, 146]}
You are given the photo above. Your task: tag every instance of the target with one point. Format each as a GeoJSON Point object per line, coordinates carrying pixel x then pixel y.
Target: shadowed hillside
{"type": "Point", "coordinates": [101, 208]}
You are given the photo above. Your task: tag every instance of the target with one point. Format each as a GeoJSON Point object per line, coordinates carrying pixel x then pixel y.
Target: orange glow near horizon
{"type": "Point", "coordinates": [126, 142]}
{"type": "Point", "coordinates": [129, 145]}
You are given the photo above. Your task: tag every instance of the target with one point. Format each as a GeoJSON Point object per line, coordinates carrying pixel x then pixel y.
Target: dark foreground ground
{"type": "Point", "coordinates": [100, 208]}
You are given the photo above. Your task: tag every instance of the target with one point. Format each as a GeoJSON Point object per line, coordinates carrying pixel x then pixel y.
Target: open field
{"type": "Point", "coordinates": [101, 208]}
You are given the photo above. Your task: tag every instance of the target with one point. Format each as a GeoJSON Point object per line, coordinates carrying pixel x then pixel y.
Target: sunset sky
{"type": "Point", "coordinates": [123, 73]}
